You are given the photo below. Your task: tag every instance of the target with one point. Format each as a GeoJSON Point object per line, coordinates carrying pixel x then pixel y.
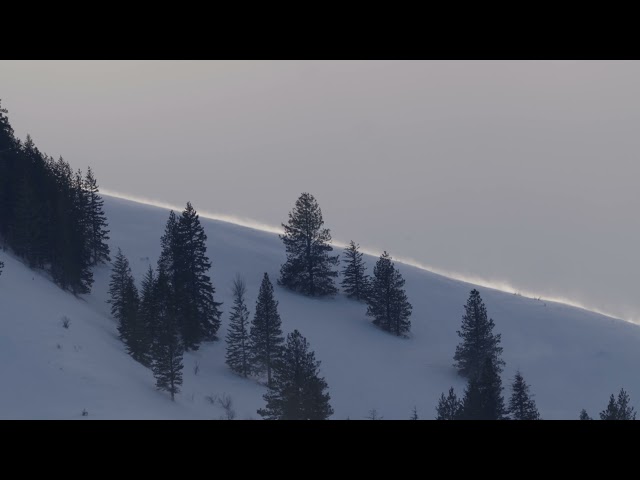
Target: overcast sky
{"type": "Point", "coordinates": [519, 172]}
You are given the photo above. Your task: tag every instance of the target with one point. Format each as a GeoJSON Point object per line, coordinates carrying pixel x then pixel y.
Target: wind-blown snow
{"type": "Point", "coordinates": [572, 358]}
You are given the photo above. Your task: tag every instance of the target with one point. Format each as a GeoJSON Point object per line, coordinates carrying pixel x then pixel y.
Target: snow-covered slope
{"type": "Point", "coordinates": [572, 358]}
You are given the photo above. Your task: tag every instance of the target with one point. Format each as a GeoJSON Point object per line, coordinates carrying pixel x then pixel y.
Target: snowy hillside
{"type": "Point", "coordinates": [572, 358]}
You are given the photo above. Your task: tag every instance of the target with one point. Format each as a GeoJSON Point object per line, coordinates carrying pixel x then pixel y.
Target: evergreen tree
{"type": "Point", "coordinates": [169, 246]}
{"type": "Point", "coordinates": [297, 391]}
{"type": "Point", "coordinates": [1, 267]}
{"type": "Point", "coordinates": [238, 355]}
{"type": "Point", "coordinates": [149, 311]}
{"type": "Point", "coordinates": [167, 347]}
{"type": "Point", "coordinates": [387, 302]}
{"type": "Point", "coordinates": [619, 409]}
{"type": "Point", "coordinates": [97, 221]}
{"type": "Point", "coordinates": [584, 415]}
{"type": "Point", "coordinates": [355, 281]}
{"type": "Point", "coordinates": [29, 226]}
{"type": "Point", "coordinates": [309, 268]}
{"type": "Point", "coordinates": [449, 407]}
{"type": "Point", "coordinates": [414, 414]}
{"type": "Point", "coordinates": [483, 396]}
{"type": "Point", "coordinates": [265, 333]}
{"type": "Point", "coordinates": [198, 313]}
{"type": "Point", "coordinates": [521, 405]}
{"type": "Point", "coordinates": [478, 340]}
{"type": "Point", "coordinates": [123, 297]}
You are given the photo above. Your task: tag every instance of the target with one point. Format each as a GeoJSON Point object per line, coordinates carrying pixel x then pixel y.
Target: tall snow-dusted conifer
{"type": "Point", "coordinates": [309, 268]}
{"type": "Point", "coordinates": [584, 415]}
{"type": "Point", "coordinates": [449, 407]}
{"type": "Point", "coordinates": [387, 300]}
{"type": "Point", "coordinates": [297, 391]}
{"type": "Point", "coordinates": [355, 281]}
{"type": "Point", "coordinates": [97, 221]}
{"type": "Point", "coordinates": [167, 346]}
{"type": "Point", "coordinates": [149, 309]}
{"type": "Point", "coordinates": [238, 356]}
{"type": "Point", "coordinates": [478, 340]}
{"type": "Point", "coordinates": [521, 404]}
{"type": "Point", "coordinates": [265, 332]}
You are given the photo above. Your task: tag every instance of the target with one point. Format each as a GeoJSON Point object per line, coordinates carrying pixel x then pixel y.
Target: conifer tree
{"type": "Point", "coordinates": [149, 311]}
{"type": "Point", "coordinates": [198, 313]}
{"type": "Point", "coordinates": [238, 355]}
{"type": "Point", "coordinates": [483, 396]}
{"type": "Point", "coordinates": [619, 409]}
{"type": "Point", "coordinates": [449, 407]}
{"type": "Point", "coordinates": [387, 301]}
{"type": "Point", "coordinates": [414, 414]}
{"type": "Point", "coordinates": [123, 297]}
{"type": "Point", "coordinates": [1, 267]}
{"type": "Point", "coordinates": [169, 246]}
{"type": "Point", "coordinates": [265, 332]}
{"type": "Point", "coordinates": [97, 221]}
{"type": "Point", "coordinates": [167, 347]}
{"type": "Point", "coordinates": [297, 391]}
{"type": "Point", "coordinates": [521, 404]}
{"type": "Point", "coordinates": [584, 415]}
{"type": "Point", "coordinates": [355, 281]}
{"type": "Point", "coordinates": [478, 340]}
{"type": "Point", "coordinates": [309, 267]}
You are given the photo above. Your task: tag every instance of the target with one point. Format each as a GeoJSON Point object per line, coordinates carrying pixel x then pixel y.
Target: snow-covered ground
{"type": "Point", "coordinates": [572, 358]}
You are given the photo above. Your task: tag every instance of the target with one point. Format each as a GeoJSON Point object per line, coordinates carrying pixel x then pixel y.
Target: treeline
{"type": "Point", "coordinates": [478, 359]}
{"type": "Point", "coordinates": [50, 216]}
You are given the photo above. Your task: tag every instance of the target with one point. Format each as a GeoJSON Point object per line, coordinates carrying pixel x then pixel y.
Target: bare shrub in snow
{"type": "Point", "coordinates": [196, 368]}
{"type": "Point", "coordinates": [65, 322]}
{"type": "Point", "coordinates": [226, 403]}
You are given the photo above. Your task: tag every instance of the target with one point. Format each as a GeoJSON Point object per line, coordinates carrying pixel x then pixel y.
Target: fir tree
{"type": "Point", "coordinates": [265, 333]}
{"type": "Point", "coordinates": [521, 405]}
{"type": "Point", "coordinates": [198, 312]}
{"type": "Point", "coordinates": [584, 415]}
{"type": "Point", "coordinates": [355, 281]}
{"type": "Point", "coordinates": [619, 409]}
{"type": "Point", "coordinates": [169, 246]}
{"type": "Point", "coordinates": [387, 302]}
{"type": "Point", "coordinates": [309, 268]}
{"type": "Point", "coordinates": [414, 414]}
{"type": "Point", "coordinates": [167, 347]}
{"type": "Point", "coordinates": [449, 407]}
{"type": "Point", "coordinates": [123, 297]}
{"type": "Point", "coordinates": [97, 222]}
{"type": "Point", "coordinates": [483, 397]}
{"type": "Point", "coordinates": [297, 391]}
{"type": "Point", "coordinates": [1, 267]}
{"type": "Point", "coordinates": [149, 311]}
{"type": "Point", "coordinates": [478, 340]}
{"type": "Point", "coordinates": [238, 356]}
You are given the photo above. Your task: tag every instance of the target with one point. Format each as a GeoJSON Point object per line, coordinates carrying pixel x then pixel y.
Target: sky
{"type": "Point", "coordinates": [517, 174]}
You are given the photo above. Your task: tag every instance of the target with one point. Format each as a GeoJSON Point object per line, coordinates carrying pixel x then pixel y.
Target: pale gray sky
{"type": "Point", "coordinates": [520, 172]}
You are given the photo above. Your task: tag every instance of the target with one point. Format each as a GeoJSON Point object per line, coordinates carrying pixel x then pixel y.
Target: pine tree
{"type": "Point", "coordinates": [169, 246]}
{"type": "Point", "coordinates": [355, 281]}
{"type": "Point", "coordinates": [97, 221]}
{"type": "Point", "coordinates": [123, 297]}
{"type": "Point", "coordinates": [297, 391]}
{"type": "Point", "coordinates": [449, 407]}
{"type": "Point", "coordinates": [584, 415]}
{"type": "Point", "coordinates": [387, 302]}
{"type": "Point", "coordinates": [265, 333]}
{"type": "Point", "coordinates": [238, 356]}
{"type": "Point", "coordinates": [611, 412]}
{"type": "Point", "coordinates": [309, 267]}
{"type": "Point", "coordinates": [149, 311]}
{"type": "Point", "coordinates": [414, 414]}
{"type": "Point", "coordinates": [29, 226]}
{"type": "Point", "coordinates": [478, 340]}
{"type": "Point", "coordinates": [1, 267]}
{"type": "Point", "coordinates": [167, 347]}
{"type": "Point", "coordinates": [483, 397]}
{"type": "Point", "coordinates": [521, 405]}
{"type": "Point", "coordinates": [619, 409]}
